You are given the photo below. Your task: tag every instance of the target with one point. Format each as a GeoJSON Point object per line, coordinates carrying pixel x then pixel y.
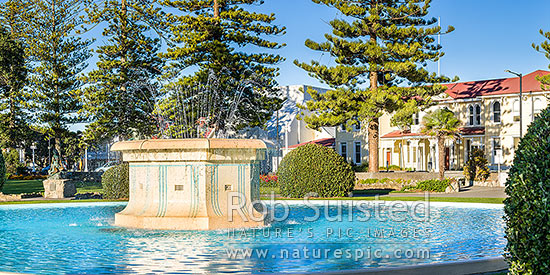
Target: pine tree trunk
{"type": "Point", "coordinates": [441, 148]}
{"type": "Point", "coordinates": [216, 9]}
{"type": "Point", "coordinates": [373, 126]}
{"type": "Point", "coordinates": [373, 145]}
{"type": "Point", "coordinates": [57, 140]}
{"type": "Point", "coordinates": [122, 125]}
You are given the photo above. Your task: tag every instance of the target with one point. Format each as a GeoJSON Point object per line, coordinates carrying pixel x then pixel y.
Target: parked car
{"type": "Point", "coordinates": [105, 166]}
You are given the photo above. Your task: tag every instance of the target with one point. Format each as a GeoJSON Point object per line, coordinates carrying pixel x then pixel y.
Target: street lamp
{"type": "Point", "coordinates": [33, 147]}
{"type": "Point", "coordinates": [520, 98]}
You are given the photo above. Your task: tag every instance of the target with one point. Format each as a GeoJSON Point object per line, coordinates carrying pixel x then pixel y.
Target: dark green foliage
{"type": "Point", "coordinates": [228, 41]}
{"type": "Point", "coordinates": [312, 168]}
{"type": "Point", "coordinates": [528, 206]}
{"type": "Point", "coordinates": [476, 167]}
{"type": "Point", "coordinates": [11, 159]}
{"type": "Point", "coordinates": [433, 185]}
{"type": "Point", "coordinates": [13, 78]}
{"type": "Point", "coordinates": [2, 171]}
{"type": "Point", "coordinates": [381, 50]}
{"type": "Point", "coordinates": [360, 168]}
{"type": "Point", "coordinates": [123, 88]}
{"type": "Point", "coordinates": [58, 57]}
{"type": "Point", "coordinates": [116, 182]}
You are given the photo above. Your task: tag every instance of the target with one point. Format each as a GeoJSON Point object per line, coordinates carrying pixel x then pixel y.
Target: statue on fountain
{"type": "Point", "coordinates": [56, 166]}
{"type": "Point", "coordinates": [205, 129]}
{"type": "Point", "coordinates": [57, 185]}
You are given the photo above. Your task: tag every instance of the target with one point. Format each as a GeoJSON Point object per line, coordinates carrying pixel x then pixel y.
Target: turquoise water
{"type": "Point", "coordinates": [80, 238]}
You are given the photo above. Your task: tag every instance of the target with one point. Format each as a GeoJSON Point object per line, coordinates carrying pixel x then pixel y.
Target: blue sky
{"type": "Point", "coordinates": [490, 37]}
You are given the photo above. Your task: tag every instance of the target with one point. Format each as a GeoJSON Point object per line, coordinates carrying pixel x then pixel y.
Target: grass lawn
{"type": "Point", "coordinates": [94, 187]}
{"type": "Point", "coordinates": [35, 186]}
{"type": "Point", "coordinates": [32, 186]}
{"type": "Point", "coordinates": [23, 186]}
{"type": "Point", "coordinates": [56, 201]}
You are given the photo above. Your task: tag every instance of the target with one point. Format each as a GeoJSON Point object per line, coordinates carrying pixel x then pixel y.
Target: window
{"type": "Point", "coordinates": [344, 150]}
{"type": "Point", "coordinates": [496, 148]}
{"type": "Point", "coordinates": [357, 152]}
{"type": "Point", "coordinates": [471, 111]}
{"type": "Point", "coordinates": [478, 114]}
{"type": "Point", "coordinates": [474, 112]}
{"type": "Point", "coordinates": [515, 110]}
{"type": "Point", "coordinates": [416, 119]}
{"type": "Point", "coordinates": [496, 112]}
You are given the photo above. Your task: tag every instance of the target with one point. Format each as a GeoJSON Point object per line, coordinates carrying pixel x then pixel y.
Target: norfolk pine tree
{"type": "Point", "coordinates": [13, 96]}
{"type": "Point", "coordinates": [13, 77]}
{"type": "Point", "coordinates": [121, 94]}
{"type": "Point", "coordinates": [210, 37]}
{"type": "Point", "coordinates": [58, 56]}
{"type": "Point", "coordinates": [385, 45]}
{"type": "Point", "coordinates": [13, 14]}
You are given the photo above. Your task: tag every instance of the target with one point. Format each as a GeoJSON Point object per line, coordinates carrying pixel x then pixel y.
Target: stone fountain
{"type": "Point", "coordinates": [192, 184]}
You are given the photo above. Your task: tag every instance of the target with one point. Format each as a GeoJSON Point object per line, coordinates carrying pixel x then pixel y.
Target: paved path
{"type": "Point", "coordinates": [468, 192]}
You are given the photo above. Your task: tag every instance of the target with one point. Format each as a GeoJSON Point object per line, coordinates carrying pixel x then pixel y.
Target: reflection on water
{"type": "Point", "coordinates": [60, 239]}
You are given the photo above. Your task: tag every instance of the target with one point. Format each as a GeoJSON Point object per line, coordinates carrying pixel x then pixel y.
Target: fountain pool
{"type": "Point", "coordinates": [82, 238]}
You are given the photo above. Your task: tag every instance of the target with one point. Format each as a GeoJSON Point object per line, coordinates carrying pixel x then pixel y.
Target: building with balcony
{"type": "Point", "coordinates": [489, 112]}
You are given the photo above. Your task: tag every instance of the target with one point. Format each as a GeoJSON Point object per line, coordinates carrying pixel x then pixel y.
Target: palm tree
{"type": "Point", "coordinates": [443, 124]}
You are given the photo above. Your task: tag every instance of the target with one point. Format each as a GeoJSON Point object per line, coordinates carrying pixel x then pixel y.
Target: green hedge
{"type": "Point", "coordinates": [312, 168]}
{"type": "Point", "coordinates": [2, 171]}
{"type": "Point", "coordinates": [115, 182]}
{"type": "Point", "coordinates": [527, 208]}
{"type": "Point", "coordinates": [433, 185]}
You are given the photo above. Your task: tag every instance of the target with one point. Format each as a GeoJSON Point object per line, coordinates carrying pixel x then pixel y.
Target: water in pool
{"type": "Point", "coordinates": [80, 238]}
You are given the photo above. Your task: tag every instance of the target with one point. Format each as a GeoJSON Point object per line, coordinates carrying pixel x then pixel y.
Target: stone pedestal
{"type": "Point", "coordinates": [192, 184]}
{"type": "Point", "coordinates": [59, 188]}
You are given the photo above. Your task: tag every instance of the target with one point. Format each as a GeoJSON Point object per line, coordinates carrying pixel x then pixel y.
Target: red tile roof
{"type": "Point", "coordinates": [327, 142]}
{"type": "Point", "coordinates": [471, 131]}
{"type": "Point", "coordinates": [495, 86]}
{"type": "Point", "coordinates": [398, 133]}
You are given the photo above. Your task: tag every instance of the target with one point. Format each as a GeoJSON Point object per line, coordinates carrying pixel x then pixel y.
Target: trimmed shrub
{"type": "Point", "coordinates": [313, 168]}
{"type": "Point", "coordinates": [2, 172]}
{"type": "Point", "coordinates": [116, 182]}
{"type": "Point", "coordinates": [476, 167]}
{"type": "Point", "coordinates": [527, 208]}
{"type": "Point", "coordinates": [433, 185]}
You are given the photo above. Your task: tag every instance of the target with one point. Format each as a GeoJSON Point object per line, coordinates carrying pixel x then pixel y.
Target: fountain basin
{"type": "Point", "coordinates": [192, 184]}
